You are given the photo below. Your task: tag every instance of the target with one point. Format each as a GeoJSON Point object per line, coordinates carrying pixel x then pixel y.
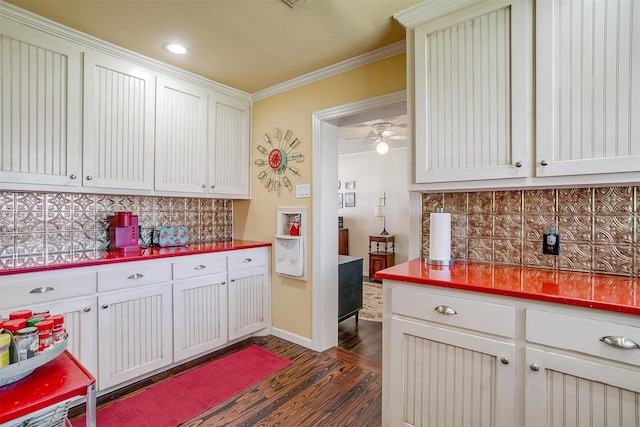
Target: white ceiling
{"type": "Point", "coordinates": [249, 45]}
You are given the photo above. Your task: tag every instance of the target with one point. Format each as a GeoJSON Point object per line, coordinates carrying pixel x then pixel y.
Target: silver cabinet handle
{"type": "Point", "coordinates": [135, 276]}
{"type": "Point", "coordinates": [89, 177]}
{"type": "Point", "coordinates": [223, 283]}
{"type": "Point", "coordinates": [519, 164]}
{"type": "Point", "coordinates": [445, 309]}
{"type": "Point", "coordinates": [213, 186]}
{"type": "Point", "coordinates": [543, 163]}
{"type": "Point", "coordinates": [620, 342]}
{"type": "Point", "coordinates": [105, 305]}
{"type": "Point", "coordinates": [504, 360]}
{"type": "Point", "coordinates": [199, 267]}
{"type": "Point", "coordinates": [247, 260]}
{"type": "Point", "coordinates": [73, 176]}
{"type": "Point", "coordinates": [204, 186]}
{"type": "Point", "coordinates": [86, 309]}
{"type": "Point", "coordinates": [534, 367]}
{"type": "Point", "coordinates": [232, 280]}
{"type": "Point", "coordinates": [41, 290]}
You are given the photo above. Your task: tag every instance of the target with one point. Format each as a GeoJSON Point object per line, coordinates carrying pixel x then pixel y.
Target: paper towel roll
{"type": "Point", "coordinates": [440, 236]}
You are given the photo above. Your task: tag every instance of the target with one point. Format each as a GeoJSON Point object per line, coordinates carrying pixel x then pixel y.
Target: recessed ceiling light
{"type": "Point", "coordinates": [176, 48]}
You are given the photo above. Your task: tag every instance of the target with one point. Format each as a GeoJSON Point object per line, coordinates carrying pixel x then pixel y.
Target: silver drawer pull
{"type": "Point", "coordinates": [136, 276]}
{"type": "Point", "coordinates": [534, 367]}
{"type": "Point", "coordinates": [445, 309]}
{"type": "Point", "coordinates": [41, 290]}
{"type": "Point", "coordinates": [247, 260]}
{"type": "Point", "coordinates": [199, 267]}
{"type": "Point", "coordinates": [620, 342]}
{"type": "Point", "coordinates": [86, 309]}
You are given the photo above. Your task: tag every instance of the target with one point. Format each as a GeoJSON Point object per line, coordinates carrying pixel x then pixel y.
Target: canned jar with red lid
{"type": "Point", "coordinates": [59, 333]}
{"type": "Point", "coordinates": [45, 334]}
{"type": "Point", "coordinates": [14, 324]}
{"type": "Point", "coordinates": [21, 314]}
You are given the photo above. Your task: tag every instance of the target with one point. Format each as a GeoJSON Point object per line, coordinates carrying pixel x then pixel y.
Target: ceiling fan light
{"type": "Point", "coordinates": [382, 147]}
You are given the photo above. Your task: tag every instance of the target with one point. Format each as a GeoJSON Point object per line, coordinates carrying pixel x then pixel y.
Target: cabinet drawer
{"type": "Point", "coordinates": [197, 266]}
{"type": "Point", "coordinates": [36, 288]}
{"type": "Point", "coordinates": [247, 258]}
{"type": "Point", "coordinates": [478, 316]}
{"type": "Point", "coordinates": [134, 275]}
{"type": "Point", "coordinates": [582, 335]}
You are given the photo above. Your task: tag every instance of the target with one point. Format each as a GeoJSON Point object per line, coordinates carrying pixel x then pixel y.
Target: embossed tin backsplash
{"type": "Point", "coordinates": [599, 227]}
{"type": "Point", "coordinates": [47, 223]}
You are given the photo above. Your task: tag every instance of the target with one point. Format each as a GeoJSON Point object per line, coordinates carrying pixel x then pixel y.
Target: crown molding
{"type": "Point", "coordinates": [24, 17]}
{"type": "Point", "coordinates": [340, 67]}
{"type": "Point", "coordinates": [430, 10]}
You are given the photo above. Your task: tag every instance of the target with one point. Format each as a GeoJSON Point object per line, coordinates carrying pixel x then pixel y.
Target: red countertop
{"type": "Point", "coordinates": [600, 291]}
{"type": "Point", "coordinates": [29, 264]}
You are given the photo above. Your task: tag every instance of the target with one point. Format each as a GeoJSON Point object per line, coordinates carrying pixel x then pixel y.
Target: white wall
{"type": "Point", "coordinates": [374, 175]}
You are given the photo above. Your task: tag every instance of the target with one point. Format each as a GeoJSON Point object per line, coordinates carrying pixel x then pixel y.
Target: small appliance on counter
{"type": "Point", "coordinates": [123, 232]}
{"type": "Point", "coordinates": [174, 235]}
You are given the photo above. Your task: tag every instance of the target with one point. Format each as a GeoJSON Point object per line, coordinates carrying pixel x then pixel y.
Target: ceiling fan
{"type": "Point", "coordinates": [380, 129]}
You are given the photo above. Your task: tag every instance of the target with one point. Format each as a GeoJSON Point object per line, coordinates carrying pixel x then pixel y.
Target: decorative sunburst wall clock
{"type": "Point", "coordinates": [277, 160]}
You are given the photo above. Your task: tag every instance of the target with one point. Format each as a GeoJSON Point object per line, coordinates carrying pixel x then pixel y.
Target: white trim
{"type": "Point", "coordinates": [430, 10]}
{"type": "Point", "coordinates": [8, 11]}
{"type": "Point", "coordinates": [296, 339]}
{"type": "Point", "coordinates": [348, 64]}
{"type": "Point", "coordinates": [324, 214]}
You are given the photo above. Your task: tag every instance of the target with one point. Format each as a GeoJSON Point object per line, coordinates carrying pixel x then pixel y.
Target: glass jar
{"type": "Point", "coordinates": [27, 342]}
{"type": "Point", "coordinates": [59, 333]}
{"type": "Point", "coordinates": [45, 335]}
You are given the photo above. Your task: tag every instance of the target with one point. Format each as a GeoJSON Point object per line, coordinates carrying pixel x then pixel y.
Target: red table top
{"type": "Point", "coordinates": [61, 379]}
{"type": "Point", "coordinates": [29, 264]}
{"type": "Point", "coordinates": [601, 291]}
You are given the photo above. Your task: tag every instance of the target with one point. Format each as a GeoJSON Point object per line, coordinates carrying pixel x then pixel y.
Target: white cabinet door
{"type": "Point", "coordinates": [119, 114]}
{"type": "Point", "coordinates": [80, 323]}
{"type": "Point", "coordinates": [181, 160]}
{"type": "Point", "coordinates": [40, 98]}
{"type": "Point", "coordinates": [473, 94]}
{"type": "Point", "coordinates": [134, 333]}
{"type": "Point", "coordinates": [199, 315]}
{"type": "Point", "coordinates": [587, 87]}
{"type": "Point", "coordinates": [229, 123]}
{"type": "Point", "coordinates": [249, 301]}
{"type": "Point", "coordinates": [443, 377]}
{"type": "Point", "coordinates": [566, 391]}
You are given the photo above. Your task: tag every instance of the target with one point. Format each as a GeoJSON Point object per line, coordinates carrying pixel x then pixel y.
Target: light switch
{"type": "Point", "coordinates": [303, 191]}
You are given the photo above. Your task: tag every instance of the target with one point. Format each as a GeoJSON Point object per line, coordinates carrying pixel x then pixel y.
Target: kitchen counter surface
{"type": "Point", "coordinates": [29, 264]}
{"type": "Point", "coordinates": [600, 291]}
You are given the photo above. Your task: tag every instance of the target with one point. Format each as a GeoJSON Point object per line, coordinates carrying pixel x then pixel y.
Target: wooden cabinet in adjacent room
{"type": "Point", "coordinates": [381, 253]}
{"type": "Point", "coordinates": [343, 241]}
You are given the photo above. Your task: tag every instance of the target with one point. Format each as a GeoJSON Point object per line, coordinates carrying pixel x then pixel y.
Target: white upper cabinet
{"type": "Point", "coordinates": [588, 87]}
{"type": "Point", "coordinates": [229, 123]}
{"type": "Point", "coordinates": [119, 112]}
{"type": "Point", "coordinates": [40, 100]}
{"type": "Point", "coordinates": [472, 94]}
{"type": "Point", "coordinates": [181, 137]}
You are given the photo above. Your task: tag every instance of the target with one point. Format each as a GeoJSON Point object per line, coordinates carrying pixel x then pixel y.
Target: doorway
{"type": "Point", "coordinates": [325, 126]}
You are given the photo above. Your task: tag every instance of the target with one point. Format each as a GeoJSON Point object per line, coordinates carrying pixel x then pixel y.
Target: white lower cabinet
{"type": "Point", "coordinates": [199, 315]}
{"type": "Point", "coordinates": [541, 365]}
{"type": "Point", "coordinates": [134, 333]}
{"type": "Point", "coordinates": [249, 301]}
{"type": "Point", "coordinates": [565, 391]}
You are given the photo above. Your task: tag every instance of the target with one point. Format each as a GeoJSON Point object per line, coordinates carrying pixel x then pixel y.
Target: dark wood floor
{"type": "Point", "coordinates": [333, 388]}
{"type": "Point", "coordinates": [365, 338]}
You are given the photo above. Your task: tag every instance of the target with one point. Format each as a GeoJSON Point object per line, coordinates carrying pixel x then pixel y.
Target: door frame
{"type": "Point", "coordinates": [325, 124]}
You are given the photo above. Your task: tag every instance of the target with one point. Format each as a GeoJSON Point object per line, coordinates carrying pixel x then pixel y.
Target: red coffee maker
{"type": "Point", "coordinates": [123, 232]}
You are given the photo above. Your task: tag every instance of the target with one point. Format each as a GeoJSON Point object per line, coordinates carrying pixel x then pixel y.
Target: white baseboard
{"type": "Point", "coordinates": [296, 339]}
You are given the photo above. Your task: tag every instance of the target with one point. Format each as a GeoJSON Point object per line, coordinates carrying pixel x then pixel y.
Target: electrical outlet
{"type": "Point", "coordinates": [551, 244]}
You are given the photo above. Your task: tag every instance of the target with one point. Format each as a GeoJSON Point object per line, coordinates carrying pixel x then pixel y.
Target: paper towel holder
{"type": "Point", "coordinates": [438, 261]}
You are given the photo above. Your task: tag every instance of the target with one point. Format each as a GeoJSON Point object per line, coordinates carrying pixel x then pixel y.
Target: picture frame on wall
{"type": "Point", "coordinates": [349, 185]}
{"type": "Point", "coordinates": [340, 205]}
{"type": "Point", "coordinates": [350, 200]}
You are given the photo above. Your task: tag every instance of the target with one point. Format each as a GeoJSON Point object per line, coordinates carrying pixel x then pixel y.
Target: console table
{"type": "Point", "coordinates": [382, 253]}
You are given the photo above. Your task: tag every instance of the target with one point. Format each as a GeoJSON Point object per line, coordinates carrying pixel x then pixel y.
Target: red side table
{"type": "Point", "coordinates": [59, 380]}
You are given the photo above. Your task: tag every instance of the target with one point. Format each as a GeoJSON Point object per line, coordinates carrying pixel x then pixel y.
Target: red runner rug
{"type": "Point", "coordinates": [181, 398]}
